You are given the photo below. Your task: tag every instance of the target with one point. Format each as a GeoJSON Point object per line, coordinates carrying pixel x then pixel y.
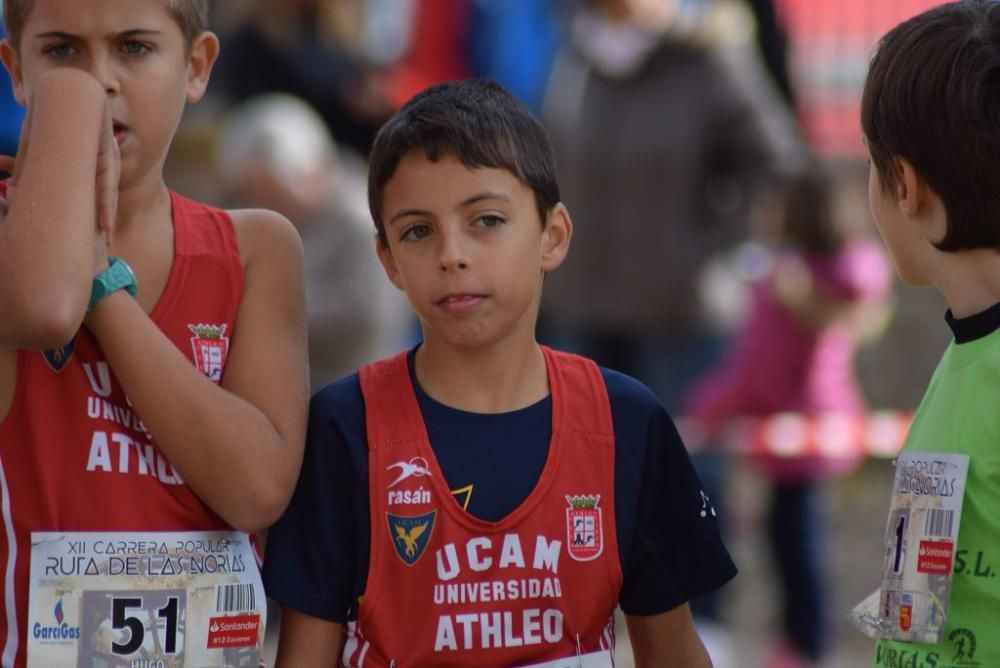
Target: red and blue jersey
{"type": "Point", "coordinates": [480, 472]}
{"type": "Point", "coordinates": [75, 456]}
{"type": "Point", "coordinates": [540, 584]}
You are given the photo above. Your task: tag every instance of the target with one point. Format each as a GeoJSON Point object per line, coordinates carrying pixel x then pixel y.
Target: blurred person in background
{"type": "Point", "coordinates": [514, 43]}
{"type": "Point", "coordinates": [357, 60]}
{"type": "Point", "coordinates": [818, 290]}
{"type": "Point", "coordinates": [325, 52]}
{"type": "Point", "coordinates": [772, 43]}
{"type": "Point", "coordinates": [275, 152]}
{"type": "Point", "coordinates": [665, 125]}
{"type": "Point", "coordinates": [437, 49]}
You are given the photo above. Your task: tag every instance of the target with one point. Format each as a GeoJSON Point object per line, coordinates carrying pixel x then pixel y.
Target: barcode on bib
{"type": "Point", "coordinates": [939, 522]}
{"type": "Point", "coordinates": [235, 598]}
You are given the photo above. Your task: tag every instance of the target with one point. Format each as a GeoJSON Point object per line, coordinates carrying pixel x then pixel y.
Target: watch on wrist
{"type": "Point", "coordinates": [118, 276]}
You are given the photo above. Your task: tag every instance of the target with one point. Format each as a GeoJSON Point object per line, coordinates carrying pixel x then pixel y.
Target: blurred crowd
{"type": "Point", "coordinates": [707, 244]}
{"type": "Point", "coordinates": [715, 257]}
{"type": "Point", "coordinates": [708, 239]}
{"type": "Point", "coordinates": [669, 117]}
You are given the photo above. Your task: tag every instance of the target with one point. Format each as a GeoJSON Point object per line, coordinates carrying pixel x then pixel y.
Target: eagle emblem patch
{"type": "Point", "coordinates": [410, 535]}
{"type": "Point", "coordinates": [59, 357]}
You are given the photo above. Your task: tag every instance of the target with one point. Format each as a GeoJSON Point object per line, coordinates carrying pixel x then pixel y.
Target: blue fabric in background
{"type": "Point", "coordinates": [11, 113]}
{"type": "Point", "coordinates": [514, 43]}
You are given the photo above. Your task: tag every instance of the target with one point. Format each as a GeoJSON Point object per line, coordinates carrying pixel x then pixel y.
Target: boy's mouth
{"type": "Point", "coordinates": [460, 301]}
{"type": "Point", "coordinates": [120, 130]}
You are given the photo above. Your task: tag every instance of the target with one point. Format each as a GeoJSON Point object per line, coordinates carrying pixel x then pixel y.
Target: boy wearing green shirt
{"type": "Point", "coordinates": [931, 119]}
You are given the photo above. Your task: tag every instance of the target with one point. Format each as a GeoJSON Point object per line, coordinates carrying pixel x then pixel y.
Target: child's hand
{"type": "Point", "coordinates": [108, 175]}
{"type": "Point", "coordinates": [11, 164]}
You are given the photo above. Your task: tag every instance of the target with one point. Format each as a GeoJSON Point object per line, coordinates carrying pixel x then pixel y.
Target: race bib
{"type": "Point", "coordinates": [591, 660]}
{"type": "Point", "coordinates": [144, 600]}
{"type": "Point", "coordinates": [912, 602]}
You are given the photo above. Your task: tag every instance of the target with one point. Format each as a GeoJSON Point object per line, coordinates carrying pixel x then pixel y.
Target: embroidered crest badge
{"type": "Point", "coordinates": [584, 527]}
{"type": "Point", "coordinates": [57, 358]}
{"type": "Point", "coordinates": [410, 535]}
{"type": "Point", "coordinates": [211, 347]}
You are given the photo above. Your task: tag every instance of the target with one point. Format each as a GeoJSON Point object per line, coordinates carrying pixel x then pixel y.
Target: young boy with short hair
{"type": "Point", "coordinates": [152, 349]}
{"type": "Point", "coordinates": [929, 115]}
{"type": "Point", "coordinates": [483, 500]}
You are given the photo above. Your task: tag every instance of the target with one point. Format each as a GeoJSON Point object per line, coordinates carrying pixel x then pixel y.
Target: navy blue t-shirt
{"type": "Point", "coordinates": [668, 540]}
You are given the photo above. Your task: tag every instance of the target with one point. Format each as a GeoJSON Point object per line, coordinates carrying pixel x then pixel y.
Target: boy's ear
{"type": "Point", "coordinates": [13, 64]}
{"type": "Point", "coordinates": [918, 202]}
{"type": "Point", "coordinates": [911, 189]}
{"type": "Point", "coordinates": [388, 261]}
{"type": "Point", "coordinates": [204, 52]}
{"type": "Point", "coordinates": [556, 237]}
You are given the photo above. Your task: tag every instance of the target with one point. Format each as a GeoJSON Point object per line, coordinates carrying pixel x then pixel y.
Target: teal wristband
{"type": "Point", "coordinates": [118, 276]}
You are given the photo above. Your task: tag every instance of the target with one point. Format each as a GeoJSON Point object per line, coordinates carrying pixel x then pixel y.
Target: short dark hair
{"type": "Point", "coordinates": [191, 16]}
{"type": "Point", "coordinates": [479, 123]}
{"type": "Point", "coordinates": [932, 97]}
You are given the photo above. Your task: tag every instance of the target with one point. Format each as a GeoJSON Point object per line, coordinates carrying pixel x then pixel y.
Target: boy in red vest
{"type": "Point", "coordinates": [483, 500]}
{"type": "Point", "coordinates": [152, 348]}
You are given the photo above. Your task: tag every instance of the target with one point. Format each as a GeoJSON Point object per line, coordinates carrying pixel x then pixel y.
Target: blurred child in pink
{"type": "Point", "coordinates": [818, 294]}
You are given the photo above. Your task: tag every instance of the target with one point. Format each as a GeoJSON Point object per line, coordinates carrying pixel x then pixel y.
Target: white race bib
{"type": "Point", "coordinates": [912, 601]}
{"type": "Point", "coordinates": [149, 600]}
{"type": "Point", "coordinates": [591, 660]}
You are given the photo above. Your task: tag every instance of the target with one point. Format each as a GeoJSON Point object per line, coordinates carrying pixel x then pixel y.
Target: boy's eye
{"type": "Point", "coordinates": [134, 48]}
{"type": "Point", "coordinates": [490, 220]}
{"type": "Point", "coordinates": [59, 50]}
{"type": "Point", "coordinates": [415, 232]}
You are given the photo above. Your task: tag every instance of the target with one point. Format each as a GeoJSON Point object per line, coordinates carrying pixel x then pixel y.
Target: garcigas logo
{"type": "Point", "coordinates": [61, 632]}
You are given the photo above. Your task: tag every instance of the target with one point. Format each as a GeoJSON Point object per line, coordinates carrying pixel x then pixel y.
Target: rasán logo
{"type": "Point", "coordinates": [410, 535]}
{"type": "Point", "coordinates": [417, 466]}
{"type": "Point", "coordinates": [61, 632]}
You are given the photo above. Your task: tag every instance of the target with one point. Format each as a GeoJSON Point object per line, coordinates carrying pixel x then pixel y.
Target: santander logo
{"type": "Point", "coordinates": [234, 631]}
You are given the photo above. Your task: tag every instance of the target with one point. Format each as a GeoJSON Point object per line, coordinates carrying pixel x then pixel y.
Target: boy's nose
{"type": "Point", "coordinates": [102, 69]}
{"type": "Point", "coordinates": [452, 255]}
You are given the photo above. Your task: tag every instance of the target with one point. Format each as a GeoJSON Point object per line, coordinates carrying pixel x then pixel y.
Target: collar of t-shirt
{"type": "Point", "coordinates": [976, 326]}
{"type": "Point", "coordinates": [491, 461]}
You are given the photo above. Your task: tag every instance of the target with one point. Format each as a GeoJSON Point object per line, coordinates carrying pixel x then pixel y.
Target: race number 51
{"type": "Point", "coordinates": [149, 623]}
{"type": "Point", "coordinates": [121, 619]}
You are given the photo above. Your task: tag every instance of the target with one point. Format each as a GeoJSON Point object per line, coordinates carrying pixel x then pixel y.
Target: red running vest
{"type": "Point", "coordinates": [73, 454]}
{"type": "Point", "coordinates": [448, 589]}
